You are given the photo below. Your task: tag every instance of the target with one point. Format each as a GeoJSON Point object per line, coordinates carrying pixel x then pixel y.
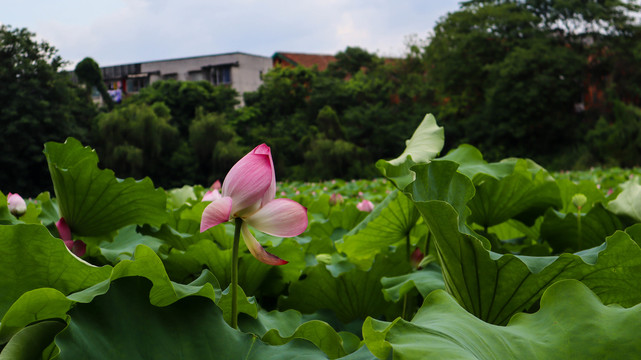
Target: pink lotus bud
{"type": "Point", "coordinates": [416, 257]}
{"type": "Point", "coordinates": [610, 191]}
{"type": "Point", "coordinates": [335, 199]}
{"type": "Point", "coordinates": [16, 204]}
{"type": "Point", "coordinates": [365, 205]}
{"type": "Point", "coordinates": [216, 185]}
{"type": "Point", "coordinates": [77, 247]}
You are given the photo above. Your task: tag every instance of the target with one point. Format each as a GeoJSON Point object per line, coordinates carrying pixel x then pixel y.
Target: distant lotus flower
{"type": "Point", "coordinates": [416, 257]}
{"type": "Point", "coordinates": [324, 188]}
{"type": "Point", "coordinates": [610, 191]}
{"type": "Point", "coordinates": [16, 204]}
{"type": "Point", "coordinates": [211, 195]}
{"type": "Point", "coordinates": [365, 206]}
{"type": "Point", "coordinates": [335, 199]}
{"type": "Point", "coordinates": [313, 193]}
{"type": "Point", "coordinates": [216, 185]}
{"type": "Point", "coordinates": [297, 192]}
{"type": "Point", "coordinates": [282, 193]}
{"type": "Point", "coordinates": [360, 194]}
{"type": "Point", "coordinates": [77, 247]}
{"type": "Point", "coordinates": [248, 193]}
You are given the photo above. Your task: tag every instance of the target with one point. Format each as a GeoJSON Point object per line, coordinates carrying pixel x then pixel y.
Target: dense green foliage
{"type": "Point", "coordinates": [554, 81]}
{"type": "Point", "coordinates": [532, 78]}
{"type": "Point", "coordinates": [38, 103]}
{"type": "Point", "coordinates": [461, 258]}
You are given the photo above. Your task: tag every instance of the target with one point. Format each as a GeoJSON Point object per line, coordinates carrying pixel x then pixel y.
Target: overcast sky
{"type": "Point", "coordinates": [127, 31]}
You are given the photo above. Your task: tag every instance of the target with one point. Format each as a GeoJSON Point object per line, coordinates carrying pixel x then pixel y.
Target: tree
{"type": "Point", "coordinates": [38, 103]}
{"type": "Point", "coordinates": [184, 98]}
{"type": "Point", "coordinates": [89, 73]}
{"type": "Point", "coordinates": [138, 141]}
{"type": "Point", "coordinates": [215, 144]}
{"type": "Point", "coordinates": [512, 77]}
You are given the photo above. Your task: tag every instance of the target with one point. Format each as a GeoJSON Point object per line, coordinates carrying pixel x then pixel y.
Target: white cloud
{"type": "Point", "coordinates": [120, 32]}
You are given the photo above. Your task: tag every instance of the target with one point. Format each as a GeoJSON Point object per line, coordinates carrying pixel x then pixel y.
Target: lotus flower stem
{"type": "Point", "coordinates": [578, 225]}
{"type": "Point", "coordinates": [234, 274]}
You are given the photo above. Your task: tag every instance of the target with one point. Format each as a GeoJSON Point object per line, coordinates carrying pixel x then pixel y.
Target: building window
{"type": "Point", "coordinates": [171, 76]}
{"type": "Point", "coordinates": [137, 83]}
{"type": "Point", "coordinates": [221, 75]}
{"type": "Point", "coordinates": [195, 76]}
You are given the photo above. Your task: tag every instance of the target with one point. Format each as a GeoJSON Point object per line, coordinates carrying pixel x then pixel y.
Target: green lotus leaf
{"type": "Point", "coordinates": [147, 264]}
{"type": "Point", "coordinates": [493, 286]}
{"type": "Point", "coordinates": [32, 259]}
{"type": "Point", "coordinates": [525, 195]}
{"type": "Point", "coordinates": [337, 224]}
{"type": "Point", "coordinates": [474, 167]}
{"type": "Point", "coordinates": [628, 202]}
{"type": "Point", "coordinates": [193, 327]}
{"type": "Point", "coordinates": [442, 329]}
{"type": "Point", "coordinates": [244, 304]}
{"type": "Point", "coordinates": [123, 245]}
{"type": "Point", "coordinates": [635, 233]}
{"type": "Point", "coordinates": [586, 187]}
{"type": "Point", "coordinates": [352, 295]}
{"type": "Point", "coordinates": [93, 201]}
{"type": "Point", "coordinates": [424, 280]}
{"type": "Point", "coordinates": [561, 230]}
{"type": "Point", "coordinates": [277, 328]}
{"type": "Point", "coordinates": [389, 224]}
{"type": "Point", "coordinates": [33, 306]}
{"type": "Point", "coordinates": [426, 142]}
{"type": "Point", "coordinates": [29, 342]}
{"type": "Point", "coordinates": [179, 197]}
{"type": "Point", "coordinates": [182, 265]}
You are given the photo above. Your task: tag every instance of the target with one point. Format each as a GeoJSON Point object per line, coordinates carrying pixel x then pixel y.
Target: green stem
{"type": "Point", "coordinates": [578, 225]}
{"type": "Point", "coordinates": [427, 243]}
{"type": "Point", "coordinates": [404, 306]}
{"type": "Point", "coordinates": [407, 249]}
{"type": "Point", "coordinates": [234, 274]}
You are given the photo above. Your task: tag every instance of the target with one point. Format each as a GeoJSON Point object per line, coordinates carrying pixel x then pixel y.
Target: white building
{"type": "Point", "coordinates": [243, 72]}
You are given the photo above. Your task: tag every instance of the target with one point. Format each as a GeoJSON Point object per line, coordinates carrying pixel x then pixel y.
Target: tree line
{"type": "Point", "coordinates": [555, 81]}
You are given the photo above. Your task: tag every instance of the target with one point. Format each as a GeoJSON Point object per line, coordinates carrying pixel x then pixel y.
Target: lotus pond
{"type": "Point", "coordinates": [445, 256]}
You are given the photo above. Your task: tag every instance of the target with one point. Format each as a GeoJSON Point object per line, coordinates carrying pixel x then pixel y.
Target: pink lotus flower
{"type": "Point", "coordinates": [16, 204]}
{"type": "Point", "coordinates": [365, 206]}
{"type": "Point", "coordinates": [77, 247]}
{"type": "Point", "coordinates": [216, 185]}
{"type": "Point", "coordinates": [336, 198]}
{"type": "Point", "coordinates": [248, 193]}
{"type": "Point", "coordinates": [211, 195]}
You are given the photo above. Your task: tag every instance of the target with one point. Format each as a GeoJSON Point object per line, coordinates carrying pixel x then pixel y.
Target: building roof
{"type": "Point", "coordinates": [306, 60]}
